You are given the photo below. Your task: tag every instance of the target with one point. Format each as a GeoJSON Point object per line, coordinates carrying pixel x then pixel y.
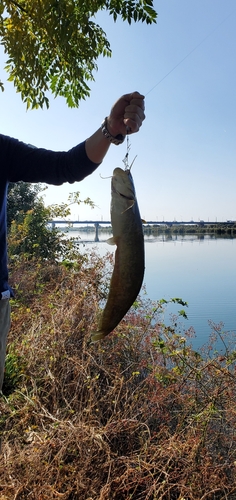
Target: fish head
{"type": "Point", "coordinates": [122, 183]}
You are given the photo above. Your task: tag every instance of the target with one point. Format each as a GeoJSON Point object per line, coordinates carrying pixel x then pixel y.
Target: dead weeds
{"type": "Point", "coordinates": [138, 416]}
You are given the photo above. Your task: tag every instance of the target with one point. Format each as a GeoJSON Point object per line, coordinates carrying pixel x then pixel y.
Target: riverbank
{"type": "Point", "coordinates": [218, 229]}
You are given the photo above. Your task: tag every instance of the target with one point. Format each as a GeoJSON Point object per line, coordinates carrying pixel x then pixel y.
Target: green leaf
{"type": "Point", "coordinates": [179, 301]}
{"type": "Point", "coordinates": [183, 313]}
{"type": "Point", "coordinates": [56, 44]}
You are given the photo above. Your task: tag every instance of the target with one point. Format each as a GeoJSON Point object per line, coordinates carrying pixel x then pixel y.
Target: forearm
{"type": "Point", "coordinates": [97, 146]}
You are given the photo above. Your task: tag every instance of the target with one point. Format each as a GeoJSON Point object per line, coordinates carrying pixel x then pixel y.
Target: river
{"type": "Point", "coordinates": [199, 270]}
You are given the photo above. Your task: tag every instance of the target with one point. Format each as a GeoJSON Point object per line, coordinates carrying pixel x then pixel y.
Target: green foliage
{"type": "Point", "coordinates": [21, 197]}
{"type": "Point", "coordinates": [32, 237]}
{"type": "Point", "coordinates": [54, 45]}
{"type": "Point", "coordinates": [14, 368]}
{"type": "Point", "coordinates": [29, 231]}
{"type": "Point", "coordinates": [62, 210]}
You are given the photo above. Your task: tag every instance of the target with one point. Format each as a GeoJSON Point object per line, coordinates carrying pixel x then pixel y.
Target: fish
{"type": "Point", "coordinates": [128, 273]}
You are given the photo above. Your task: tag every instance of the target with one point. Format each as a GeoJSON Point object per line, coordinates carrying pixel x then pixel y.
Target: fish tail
{"type": "Point", "coordinates": [99, 335]}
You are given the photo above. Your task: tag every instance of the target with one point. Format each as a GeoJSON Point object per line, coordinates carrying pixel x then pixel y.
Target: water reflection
{"type": "Point", "coordinates": [201, 269]}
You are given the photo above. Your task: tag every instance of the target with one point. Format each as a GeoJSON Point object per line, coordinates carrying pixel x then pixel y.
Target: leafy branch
{"type": "Point", "coordinates": [53, 46]}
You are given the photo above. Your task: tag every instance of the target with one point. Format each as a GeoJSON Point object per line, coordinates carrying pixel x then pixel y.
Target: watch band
{"type": "Point", "coordinates": [118, 139]}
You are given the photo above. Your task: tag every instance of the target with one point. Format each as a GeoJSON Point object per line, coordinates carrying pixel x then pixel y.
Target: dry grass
{"type": "Point", "coordinates": [138, 416]}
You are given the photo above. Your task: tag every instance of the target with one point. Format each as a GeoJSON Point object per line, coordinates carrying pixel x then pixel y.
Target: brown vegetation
{"type": "Point", "coordinates": [138, 416]}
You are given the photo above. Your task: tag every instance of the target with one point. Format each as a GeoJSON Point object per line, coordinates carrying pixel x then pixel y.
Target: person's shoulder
{"type": "Point", "coordinates": [7, 138]}
{"type": "Point", "coordinates": [15, 142]}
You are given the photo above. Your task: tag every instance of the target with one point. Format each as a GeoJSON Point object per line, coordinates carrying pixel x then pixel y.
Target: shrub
{"type": "Point", "coordinates": [140, 415]}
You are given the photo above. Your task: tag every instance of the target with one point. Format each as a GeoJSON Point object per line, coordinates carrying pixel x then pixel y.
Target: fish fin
{"type": "Point", "coordinates": [112, 241]}
{"type": "Point", "coordinates": [132, 162]}
{"type": "Point", "coordinates": [131, 206]}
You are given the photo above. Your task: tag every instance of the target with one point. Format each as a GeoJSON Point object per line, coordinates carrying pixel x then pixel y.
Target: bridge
{"type": "Point", "coordinates": [97, 224]}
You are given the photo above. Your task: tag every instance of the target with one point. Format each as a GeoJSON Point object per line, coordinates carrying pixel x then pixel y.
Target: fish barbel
{"type": "Point", "coordinates": [128, 272]}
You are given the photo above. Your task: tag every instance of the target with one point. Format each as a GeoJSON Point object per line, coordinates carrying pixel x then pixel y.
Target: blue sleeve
{"type": "Point", "coordinates": [23, 162]}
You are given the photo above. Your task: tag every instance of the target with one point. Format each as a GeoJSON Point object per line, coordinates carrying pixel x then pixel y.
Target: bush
{"type": "Point", "coordinates": [30, 234]}
{"type": "Point", "coordinates": [21, 198]}
{"type": "Point", "coordinates": [139, 415]}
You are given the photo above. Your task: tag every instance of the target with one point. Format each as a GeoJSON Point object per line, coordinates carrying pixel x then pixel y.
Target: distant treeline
{"type": "Point", "coordinates": [155, 229]}
{"type": "Point", "coordinates": [219, 229]}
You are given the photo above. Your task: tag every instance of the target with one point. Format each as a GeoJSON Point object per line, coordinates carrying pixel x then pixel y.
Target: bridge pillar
{"type": "Point", "coordinates": [96, 225]}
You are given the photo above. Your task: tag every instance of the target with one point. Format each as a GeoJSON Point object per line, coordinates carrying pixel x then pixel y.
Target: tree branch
{"type": "Point", "coordinates": [19, 6]}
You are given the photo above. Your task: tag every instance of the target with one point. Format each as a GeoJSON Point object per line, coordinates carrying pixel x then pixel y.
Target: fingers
{"type": "Point", "coordinates": [134, 112]}
{"type": "Point", "coordinates": [134, 115]}
{"type": "Point", "coordinates": [133, 95]}
{"type": "Point", "coordinates": [127, 114]}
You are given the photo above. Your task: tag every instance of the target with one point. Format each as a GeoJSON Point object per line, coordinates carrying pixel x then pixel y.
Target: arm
{"type": "Point", "coordinates": [21, 162]}
{"type": "Point", "coordinates": [126, 116]}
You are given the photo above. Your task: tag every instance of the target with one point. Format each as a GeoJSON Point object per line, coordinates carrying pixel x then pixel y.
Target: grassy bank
{"type": "Point", "coordinates": [138, 416]}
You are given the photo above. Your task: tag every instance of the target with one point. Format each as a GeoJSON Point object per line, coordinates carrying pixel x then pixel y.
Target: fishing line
{"type": "Point", "coordinates": [189, 53]}
{"type": "Point", "coordinates": [128, 146]}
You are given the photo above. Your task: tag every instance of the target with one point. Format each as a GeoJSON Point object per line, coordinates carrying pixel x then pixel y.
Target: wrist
{"type": "Point", "coordinates": [110, 134]}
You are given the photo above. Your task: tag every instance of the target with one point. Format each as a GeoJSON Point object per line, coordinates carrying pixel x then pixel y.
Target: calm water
{"type": "Point", "coordinates": [200, 271]}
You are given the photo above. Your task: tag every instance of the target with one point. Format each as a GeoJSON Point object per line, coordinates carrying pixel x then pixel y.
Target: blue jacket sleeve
{"type": "Point", "coordinates": [23, 162]}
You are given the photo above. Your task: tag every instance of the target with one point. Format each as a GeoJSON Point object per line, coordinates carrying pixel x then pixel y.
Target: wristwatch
{"type": "Point", "coordinates": [118, 139]}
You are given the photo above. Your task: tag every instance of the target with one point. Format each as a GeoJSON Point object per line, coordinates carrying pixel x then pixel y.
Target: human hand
{"type": "Point", "coordinates": [127, 114]}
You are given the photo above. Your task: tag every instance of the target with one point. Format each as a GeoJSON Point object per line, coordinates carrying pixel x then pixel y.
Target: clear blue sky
{"type": "Point", "coordinates": [186, 149]}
